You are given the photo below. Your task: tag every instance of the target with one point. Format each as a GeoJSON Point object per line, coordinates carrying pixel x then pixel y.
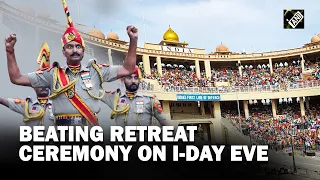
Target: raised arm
{"type": "Point", "coordinates": [14, 72]}
{"type": "Point", "coordinates": [4, 101]}
{"type": "Point", "coordinates": [16, 105]}
{"type": "Point", "coordinates": [131, 58]}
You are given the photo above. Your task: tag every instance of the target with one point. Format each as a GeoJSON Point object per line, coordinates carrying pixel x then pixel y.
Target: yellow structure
{"type": "Point", "coordinates": [171, 50]}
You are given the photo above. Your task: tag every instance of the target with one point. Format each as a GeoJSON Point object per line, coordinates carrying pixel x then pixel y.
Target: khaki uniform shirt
{"type": "Point", "coordinates": [34, 108]}
{"type": "Point", "coordinates": [140, 112]}
{"type": "Point", "coordinates": [61, 104]}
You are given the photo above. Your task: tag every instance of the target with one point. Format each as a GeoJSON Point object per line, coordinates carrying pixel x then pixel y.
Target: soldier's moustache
{"type": "Point", "coordinates": [75, 54]}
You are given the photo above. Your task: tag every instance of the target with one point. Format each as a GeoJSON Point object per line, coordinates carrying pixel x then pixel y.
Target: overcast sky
{"type": "Point", "coordinates": [253, 25]}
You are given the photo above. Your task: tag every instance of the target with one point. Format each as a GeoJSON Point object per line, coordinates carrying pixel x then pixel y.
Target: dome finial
{"type": "Point", "coordinates": [170, 35]}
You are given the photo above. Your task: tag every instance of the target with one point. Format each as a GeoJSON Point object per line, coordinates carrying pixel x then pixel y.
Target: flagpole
{"type": "Point", "coordinates": [144, 25]}
{"type": "Point", "coordinates": [201, 32]}
{"type": "Point", "coordinates": [78, 10]}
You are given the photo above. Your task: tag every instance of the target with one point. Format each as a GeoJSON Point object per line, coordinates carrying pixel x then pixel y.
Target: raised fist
{"type": "Point", "coordinates": [10, 41]}
{"type": "Point", "coordinates": [132, 32]}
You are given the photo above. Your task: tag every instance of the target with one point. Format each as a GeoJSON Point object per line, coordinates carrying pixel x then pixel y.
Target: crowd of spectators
{"type": "Point", "coordinates": [261, 126]}
{"type": "Point", "coordinates": [183, 78]}
{"type": "Point", "coordinates": [277, 131]}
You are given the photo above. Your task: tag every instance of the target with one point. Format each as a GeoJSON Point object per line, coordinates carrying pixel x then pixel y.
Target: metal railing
{"type": "Point", "coordinates": [239, 89]}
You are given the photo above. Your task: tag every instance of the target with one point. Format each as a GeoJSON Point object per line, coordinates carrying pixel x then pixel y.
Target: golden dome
{"type": "Point", "coordinates": [96, 32]}
{"type": "Point", "coordinates": [112, 35]}
{"type": "Point", "coordinates": [170, 35]}
{"type": "Point", "coordinates": [28, 10]}
{"type": "Point", "coordinates": [315, 38]}
{"type": "Point", "coordinates": [222, 48]}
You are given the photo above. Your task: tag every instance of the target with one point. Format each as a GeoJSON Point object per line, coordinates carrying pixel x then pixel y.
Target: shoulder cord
{"type": "Point", "coordinates": [96, 67]}
{"type": "Point", "coordinates": [117, 112]}
{"type": "Point", "coordinates": [26, 111]}
{"type": "Point", "coordinates": [57, 92]}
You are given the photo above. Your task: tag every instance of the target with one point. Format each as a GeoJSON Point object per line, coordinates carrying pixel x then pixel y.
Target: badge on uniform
{"type": "Point", "coordinates": [33, 110]}
{"type": "Point", "coordinates": [85, 76]}
{"type": "Point", "coordinates": [139, 106]}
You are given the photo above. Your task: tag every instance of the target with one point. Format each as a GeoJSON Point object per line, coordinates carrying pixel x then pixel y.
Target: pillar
{"type": "Point", "coordinates": [110, 57]}
{"type": "Point", "coordinates": [308, 102]}
{"type": "Point", "coordinates": [212, 132]}
{"type": "Point", "coordinates": [217, 126]}
{"type": "Point", "coordinates": [159, 67]}
{"type": "Point", "coordinates": [146, 64]}
{"type": "Point", "coordinates": [202, 110]}
{"type": "Point", "coordinates": [217, 109]}
{"type": "Point", "coordinates": [207, 67]}
{"type": "Point", "coordinates": [302, 62]}
{"type": "Point", "coordinates": [166, 109]}
{"type": "Point", "coordinates": [274, 107]}
{"type": "Point", "coordinates": [271, 66]}
{"type": "Point", "coordinates": [303, 112]}
{"type": "Point", "coordinates": [196, 62]}
{"type": "Point", "coordinates": [246, 109]}
{"type": "Point", "coordinates": [239, 67]}
{"type": "Point", "coordinates": [210, 104]}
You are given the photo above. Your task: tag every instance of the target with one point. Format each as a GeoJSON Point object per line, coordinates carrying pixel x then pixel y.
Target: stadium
{"type": "Point", "coordinates": [264, 97]}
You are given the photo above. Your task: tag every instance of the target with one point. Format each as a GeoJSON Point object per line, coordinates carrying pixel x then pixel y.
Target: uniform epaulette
{"type": "Point", "coordinates": [91, 61]}
{"type": "Point", "coordinates": [43, 69]}
{"type": "Point", "coordinates": [103, 65]}
{"type": "Point", "coordinates": [39, 72]}
{"type": "Point", "coordinates": [49, 69]}
{"type": "Point", "coordinates": [19, 101]}
{"type": "Point", "coordinates": [111, 92]}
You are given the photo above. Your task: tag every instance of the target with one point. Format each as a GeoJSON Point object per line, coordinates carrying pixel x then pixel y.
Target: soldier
{"type": "Point", "coordinates": [75, 89]}
{"type": "Point", "coordinates": [35, 112]}
{"type": "Point", "coordinates": [134, 108]}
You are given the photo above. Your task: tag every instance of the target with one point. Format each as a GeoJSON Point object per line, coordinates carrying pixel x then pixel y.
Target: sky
{"type": "Point", "coordinates": [252, 25]}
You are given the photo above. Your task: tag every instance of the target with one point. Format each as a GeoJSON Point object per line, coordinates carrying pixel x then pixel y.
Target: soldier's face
{"type": "Point", "coordinates": [73, 51]}
{"type": "Point", "coordinates": [132, 82]}
{"type": "Point", "coordinates": [42, 92]}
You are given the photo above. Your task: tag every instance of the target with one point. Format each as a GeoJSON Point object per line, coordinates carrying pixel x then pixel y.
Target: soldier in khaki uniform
{"type": "Point", "coordinates": [75, 89]}
{"type": "Point", "coordinates": [134, 108]}
{"type": "Point", "coordinates": [35, 112]}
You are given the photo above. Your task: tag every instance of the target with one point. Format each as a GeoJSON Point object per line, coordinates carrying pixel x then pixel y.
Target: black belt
{"type": "Point", "coordinates": [70, 120]}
